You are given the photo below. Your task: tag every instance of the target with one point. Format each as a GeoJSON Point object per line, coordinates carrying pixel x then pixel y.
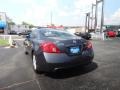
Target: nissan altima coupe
{"type": "Point", "coordinates": [52, 49]}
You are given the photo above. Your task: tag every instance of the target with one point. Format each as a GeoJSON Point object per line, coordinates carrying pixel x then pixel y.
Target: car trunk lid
{"type": "Point", "coordinates": [67, 44]}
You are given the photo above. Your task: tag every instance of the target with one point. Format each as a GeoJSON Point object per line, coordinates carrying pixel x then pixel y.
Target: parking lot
{"type": "Point", "coordinates": [16, 71]}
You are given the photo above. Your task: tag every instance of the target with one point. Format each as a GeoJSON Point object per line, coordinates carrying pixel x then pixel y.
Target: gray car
{"type": "Point", "coordinates": [52, 49]}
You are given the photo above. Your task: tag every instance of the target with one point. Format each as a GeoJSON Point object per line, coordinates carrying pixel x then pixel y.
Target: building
{"type": "Point", "coordinates": [74, 29]}
{"type": "Point", "coordinates": [19, 28]}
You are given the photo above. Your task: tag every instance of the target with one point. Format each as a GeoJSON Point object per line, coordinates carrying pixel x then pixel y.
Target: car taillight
{"type": "Point", "coordinates": [88, 45]}
{"type": "Point", "coordinates": [49, 47]}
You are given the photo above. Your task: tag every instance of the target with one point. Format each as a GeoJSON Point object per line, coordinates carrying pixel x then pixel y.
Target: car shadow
{"type": "Point", "coordinates": [76, 71]}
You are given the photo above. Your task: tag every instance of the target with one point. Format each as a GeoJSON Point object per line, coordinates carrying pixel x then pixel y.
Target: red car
{"type": "Point", "coordinates": [111, 33]}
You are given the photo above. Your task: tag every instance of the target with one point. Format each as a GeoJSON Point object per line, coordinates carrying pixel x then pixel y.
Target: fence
{"type": "Point", "coordinates": [4, 37]}
{"type": "Point", "coordinates": [11, 38]}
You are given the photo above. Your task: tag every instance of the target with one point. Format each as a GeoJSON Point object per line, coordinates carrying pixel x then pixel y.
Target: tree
{"type": "Point", "coordinates": [10, 23]}
{"type": "Point", "coordinates": [30, 25]}
{"type": "Point", "coordinates": [24, 23]}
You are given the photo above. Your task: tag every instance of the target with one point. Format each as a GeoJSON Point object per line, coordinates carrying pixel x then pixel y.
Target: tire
{"type": "Point", "coordinates": [26, 53]}
{"type": "Point", "coordinates": [35, 66]}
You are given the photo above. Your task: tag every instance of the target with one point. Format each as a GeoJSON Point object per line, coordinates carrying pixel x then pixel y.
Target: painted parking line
{"type": "Point", "coordinates": [16, 84]}
{"type": "Point", "coordinates": [22, 83]}
{"type": "Point", "coordinates": [38, 84]}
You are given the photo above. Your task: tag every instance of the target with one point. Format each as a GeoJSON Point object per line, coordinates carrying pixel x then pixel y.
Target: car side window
{"type": "Point", "coordinates": [33, 35]}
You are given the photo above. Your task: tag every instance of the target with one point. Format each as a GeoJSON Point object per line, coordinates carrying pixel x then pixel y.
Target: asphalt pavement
{"type": "Point", "coordinates": [16, 71]}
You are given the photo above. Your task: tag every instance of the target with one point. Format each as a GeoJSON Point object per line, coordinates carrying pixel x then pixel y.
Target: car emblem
{"type": "Point", "coordinates": [74, 41]}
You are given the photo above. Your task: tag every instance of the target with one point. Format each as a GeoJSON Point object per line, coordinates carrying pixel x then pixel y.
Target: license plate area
{"type": "Point", "coordinates": [74, 50]}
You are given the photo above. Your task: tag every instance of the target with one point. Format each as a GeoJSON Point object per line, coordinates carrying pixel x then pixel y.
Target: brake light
{"type": "Point", "coordinates": [88, 45]}
{"type": "Point", "coordinates": [49, 47]}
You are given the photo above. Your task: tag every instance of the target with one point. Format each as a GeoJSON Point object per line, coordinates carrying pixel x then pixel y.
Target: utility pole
{"type": "Point", "coordinates": [102, 17]}
{"type": "Point", "coordinates": [92, 18]}
{"type": "Point", "coordinates": [96, 8]}
{"type": "Point", "coordinates": [87, 22]}
{"type": "Point", "coordinates": [51, 16]}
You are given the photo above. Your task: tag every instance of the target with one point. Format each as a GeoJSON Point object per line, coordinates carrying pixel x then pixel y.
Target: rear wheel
{"type": "Point", "coordinates": [35, 66]}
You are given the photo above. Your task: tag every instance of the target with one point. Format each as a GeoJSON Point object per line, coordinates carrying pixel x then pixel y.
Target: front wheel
{"type": "Point", "coordinates": [25, 51]}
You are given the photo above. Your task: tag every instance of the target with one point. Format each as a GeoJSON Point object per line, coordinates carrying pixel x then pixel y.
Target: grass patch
{"type": "Point", "coordinates": [4, 42]}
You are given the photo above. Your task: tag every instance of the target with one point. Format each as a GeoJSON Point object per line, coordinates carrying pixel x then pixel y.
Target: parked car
{"type": "Point", "coordinates": [13, 33]}
{"type": "Point", "coordinates": [84, 35]}
{"type": "Point", "coordinates": [53, 49]}
{"type": "Point", "coordinates": [110, 33]}
{"type": "Point", "coordinates": [23, 33]}
{"type": "Point", "coordinates": [118, 34]}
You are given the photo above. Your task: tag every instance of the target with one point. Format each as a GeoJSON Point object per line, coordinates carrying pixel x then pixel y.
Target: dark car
{"type": "Point", "coordinates": [12, 33]}
{"type": "Point", "coordinates": [84, 35]}
{"type": "Point", "coordinates": [54, 49]}
{"type": "Point", "coordinates": [118, 34]}
{"type": "Point", "coordinates": [24, 33]}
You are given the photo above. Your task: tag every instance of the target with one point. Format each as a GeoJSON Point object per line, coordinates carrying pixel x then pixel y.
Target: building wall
{"type": "Point", "coordinates": [73, 30]}
{"type": "Point", "coordinates": [80, 29]}
{"type": "Point", "coordinates": [19, 28]}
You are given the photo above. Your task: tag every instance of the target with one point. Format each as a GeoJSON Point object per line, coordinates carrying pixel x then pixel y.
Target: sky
{"type": "Point", "coordinates": [64, 12]}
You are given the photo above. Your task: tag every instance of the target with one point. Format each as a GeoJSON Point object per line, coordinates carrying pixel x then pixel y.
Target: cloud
{"type": "Point", "coordinates": [63, 13]}
{"type": "Point", "coordinates": [116, 14]}
{"type": "Point", "coordinates": [51, 4]}
{"type": "Point", "coordinates": [38, 11]}
{"type": "Point", "coordinates": [35, 13]}
{"type": "Point", "coordinates": [40, 14]}
{"type": "Point", "coordinates": [113, 19]}
{"type": "Point", "coordinates": [84, 6]}
{"type": "Point", "coordinates": [21, 1]}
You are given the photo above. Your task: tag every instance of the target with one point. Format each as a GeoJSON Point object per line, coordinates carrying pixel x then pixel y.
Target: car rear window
{"type": "Point", "coordinates": [55, 33]}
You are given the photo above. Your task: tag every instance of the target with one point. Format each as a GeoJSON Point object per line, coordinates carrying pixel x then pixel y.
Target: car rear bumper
{"type": "Point", "coordinates": [55, 66]}
{"type": "Point", "coordinates": [50, 62]}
